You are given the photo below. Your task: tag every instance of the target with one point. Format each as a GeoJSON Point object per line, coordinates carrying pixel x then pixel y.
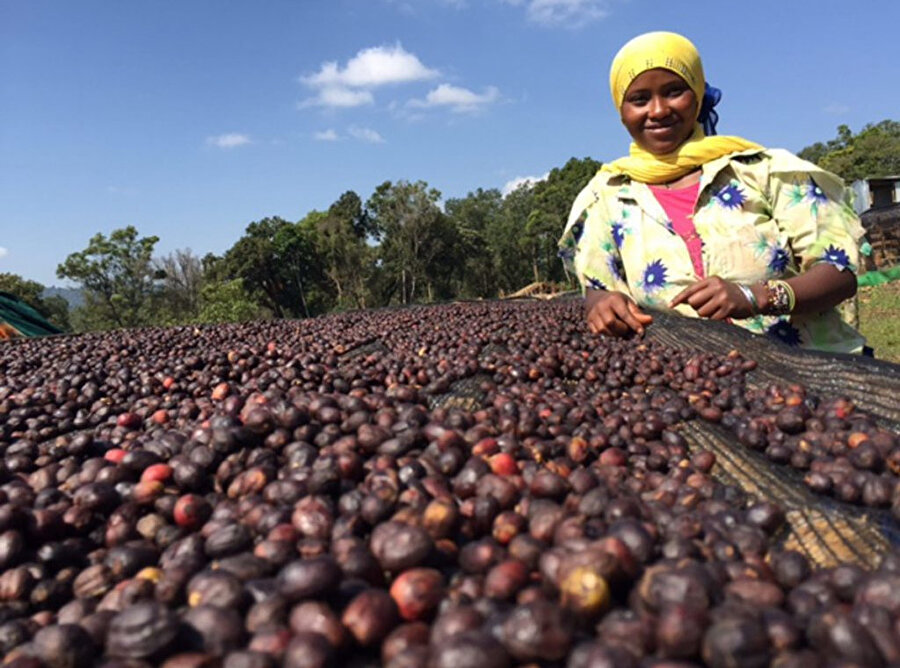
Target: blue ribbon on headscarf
{"type": "Point", "coordinates": [708, 118]}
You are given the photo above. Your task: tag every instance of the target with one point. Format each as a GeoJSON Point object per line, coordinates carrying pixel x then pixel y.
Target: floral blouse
{"type": "Point", "coordinates": [761, 214]}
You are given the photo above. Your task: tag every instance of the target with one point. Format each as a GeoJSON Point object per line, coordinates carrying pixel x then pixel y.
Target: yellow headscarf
{"type": "Point", "coordinates": [672, 52]}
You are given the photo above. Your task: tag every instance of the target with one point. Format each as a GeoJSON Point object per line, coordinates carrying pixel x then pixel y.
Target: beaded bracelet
{"type": "Point", "coordinates": [781, 299]}
{"type": "Point", "coordinates": [748, 293]}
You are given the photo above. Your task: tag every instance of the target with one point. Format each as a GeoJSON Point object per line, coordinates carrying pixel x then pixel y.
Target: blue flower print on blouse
{"type": "Point", "coordinates": [731, 196]}
{"type": "Point", "coordinates": [785, 332]}
{"type": "Point", "coordinates": [578, 226]}
{"type": "Point", "coordinates": [654, 277]}
{"type": "Point", "coordinates": [816, 197]}
{"type": "Point", "coordinates": [614, 264]}
{"type": "Point", "coordinates": [779, 260]}
{"type": "Point", "coordinates": [595, 283]}
{"type": "Point", "coordinates": [618, 234]}
{"type": "Point", "coordinates": [577, 231]}
{"type": "Point", "coordinates": [837, 257]}
{"type": "Point", "coordinates": [815, 193]}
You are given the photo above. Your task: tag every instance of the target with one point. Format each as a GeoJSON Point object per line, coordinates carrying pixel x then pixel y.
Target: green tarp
{"type": "Point", "coordinates": [879, 277]}
{"type": "Point", "coordinates": [18, 319]}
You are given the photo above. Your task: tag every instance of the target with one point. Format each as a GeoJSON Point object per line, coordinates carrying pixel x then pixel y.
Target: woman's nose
{"type": "Point", "coordinates": [657, 107]}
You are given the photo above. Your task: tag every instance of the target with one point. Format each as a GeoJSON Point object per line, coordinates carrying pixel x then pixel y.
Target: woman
{"type": "Point", "coordinates": [715, 227]}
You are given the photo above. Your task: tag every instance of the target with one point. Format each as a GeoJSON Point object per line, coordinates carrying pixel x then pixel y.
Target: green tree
{"type": "Point", "coordinates": [54, 308]}
{"type": "Point", "coordinates": [227, 301]}
{"type": "Point", "coordinates": [473, 217]}
{"type": "Point", "coordinates": [508, 243]}
{"type": "Point", "coordinates": [340, 240]}
{"type": "Point", "coordinates": [277, 263]}
{"type": "Point", "coordinates": [819, 150]}
{"type": "Point", "coordinates": [117, 277]}
{"type": "Point", "coordinates": [415, 237]}
{"type": "Point", "coordinates": [181, 279]}
{"type": "Point", "coordinates": [873, 152]}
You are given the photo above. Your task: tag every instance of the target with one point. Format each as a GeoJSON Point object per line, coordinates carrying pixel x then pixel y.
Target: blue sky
{"type": "Point", "coordinates": [192, 118]}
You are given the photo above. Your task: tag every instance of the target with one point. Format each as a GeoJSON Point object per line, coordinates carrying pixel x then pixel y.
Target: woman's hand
{"type": "Point", "coordinates": [716, 299]}
{"type": "Point", "coordinates": [614, 314]}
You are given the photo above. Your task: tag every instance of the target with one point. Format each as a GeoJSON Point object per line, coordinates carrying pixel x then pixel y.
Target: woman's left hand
{"type": "Point", "coordinates": [715, 298]}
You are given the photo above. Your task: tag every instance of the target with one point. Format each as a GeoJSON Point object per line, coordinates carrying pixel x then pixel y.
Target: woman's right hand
{"type": "Point", "coordinates": [614, 313]}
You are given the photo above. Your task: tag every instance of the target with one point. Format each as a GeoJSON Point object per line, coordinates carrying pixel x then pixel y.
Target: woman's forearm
{"type": "Point", "coordinates": [818, 289]}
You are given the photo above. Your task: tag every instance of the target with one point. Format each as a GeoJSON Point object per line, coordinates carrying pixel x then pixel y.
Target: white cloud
{"type": "Point", "coordinates": [458, 99]}
{"type": "Point", "coordinates": [376, 66]}
{"type": "Point", "coordinates": [326, 135]}
{"type": "Point", "coordinates": [3, 252]}
{"type": "Point", "coordinates": [509, 186]}
{"type": "Point", "coordinates": [230, 140]}
{"type": "Point", "coordinates": [338, 96]}
{"type": "Point", "coordinates": [365, 134]}
{"type": "Point", "coordinates": [564, 13]}
{"type": "Point", "coordinates": [837, 109]}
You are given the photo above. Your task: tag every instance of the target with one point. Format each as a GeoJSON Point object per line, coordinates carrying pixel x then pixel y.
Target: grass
{"type": "Point", "coordinates": [879, 319]}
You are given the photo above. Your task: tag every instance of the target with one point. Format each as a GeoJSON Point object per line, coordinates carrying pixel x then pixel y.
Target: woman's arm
{"type": "Point", "coordinates": [818, 289]}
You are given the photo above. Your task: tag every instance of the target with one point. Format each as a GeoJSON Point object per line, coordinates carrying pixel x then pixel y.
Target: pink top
{"type": "Point", "coordinates": [679, 207]}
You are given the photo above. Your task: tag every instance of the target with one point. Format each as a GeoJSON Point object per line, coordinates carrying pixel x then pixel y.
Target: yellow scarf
{"type": "Point", "coordinates": [699, 149]}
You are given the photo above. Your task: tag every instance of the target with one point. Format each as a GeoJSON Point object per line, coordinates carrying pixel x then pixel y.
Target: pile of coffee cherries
{"type": "Point", "coordinates": [473, 484]}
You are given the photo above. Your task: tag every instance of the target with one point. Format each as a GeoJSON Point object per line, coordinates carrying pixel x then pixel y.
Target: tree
{"type": "Point", "coordinates": [819, 150]}
{"type": "Point", "coordinates": [54, 308]}
{"type": "Point", "coordinates": [473, 216]}
{"type": "Point", "coordinates": [506, 238]}
{"type": "Point", "coordinates": [117, 277]}
{"type": "Point", "coordinates": [414, 236]}
{"type": "Point", "coordinates": [277, 263]}
{"type": "Point", "coordinates": [227, 301]}
{"type": "Point", "coordinates": [340, 240]}
{"type": "Point", "coordinates": [181, 276]}
{"type": "Point", "coordinates": [873, 152]}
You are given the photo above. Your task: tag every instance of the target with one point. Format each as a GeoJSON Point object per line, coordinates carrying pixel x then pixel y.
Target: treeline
{"type": "Point", "coordinates": [872, 152]}
{"type": "Point", "coordinates": [403, 245]}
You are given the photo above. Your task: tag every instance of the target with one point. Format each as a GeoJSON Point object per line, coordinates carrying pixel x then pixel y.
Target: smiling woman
{"type": "Point", "coordinates": [712, 226]}
{"type": "Point", "coordinates": [659, 111]}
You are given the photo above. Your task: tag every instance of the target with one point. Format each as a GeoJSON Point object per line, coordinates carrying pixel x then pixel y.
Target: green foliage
{"type": "Point", "coordinates": [873, 152]}
{"type": "Point", "coordinates": [473, 217]}
{"type": "Point", "coordinates": [508, 243]}
{"type": "Point", "coordinates": [55, 308]}
{"type": "Point", "coordinates": [416, 242]}
{"type": "Point", "coordinates": [117, 277]}
{"type": "Point", "coordinates": [340, 242]}
{"type": "Point", "coordinates": [227, 301]}
{"type": "Point", "coordinates": [181, 279]}
{"type": "Point", "coordinates": [277, 263]}
{"type": "Point", "coordinates": [26, 290]}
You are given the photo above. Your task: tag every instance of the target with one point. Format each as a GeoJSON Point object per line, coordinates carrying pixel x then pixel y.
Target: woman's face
{"type": "Point", "coordinates": [659, 111]}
